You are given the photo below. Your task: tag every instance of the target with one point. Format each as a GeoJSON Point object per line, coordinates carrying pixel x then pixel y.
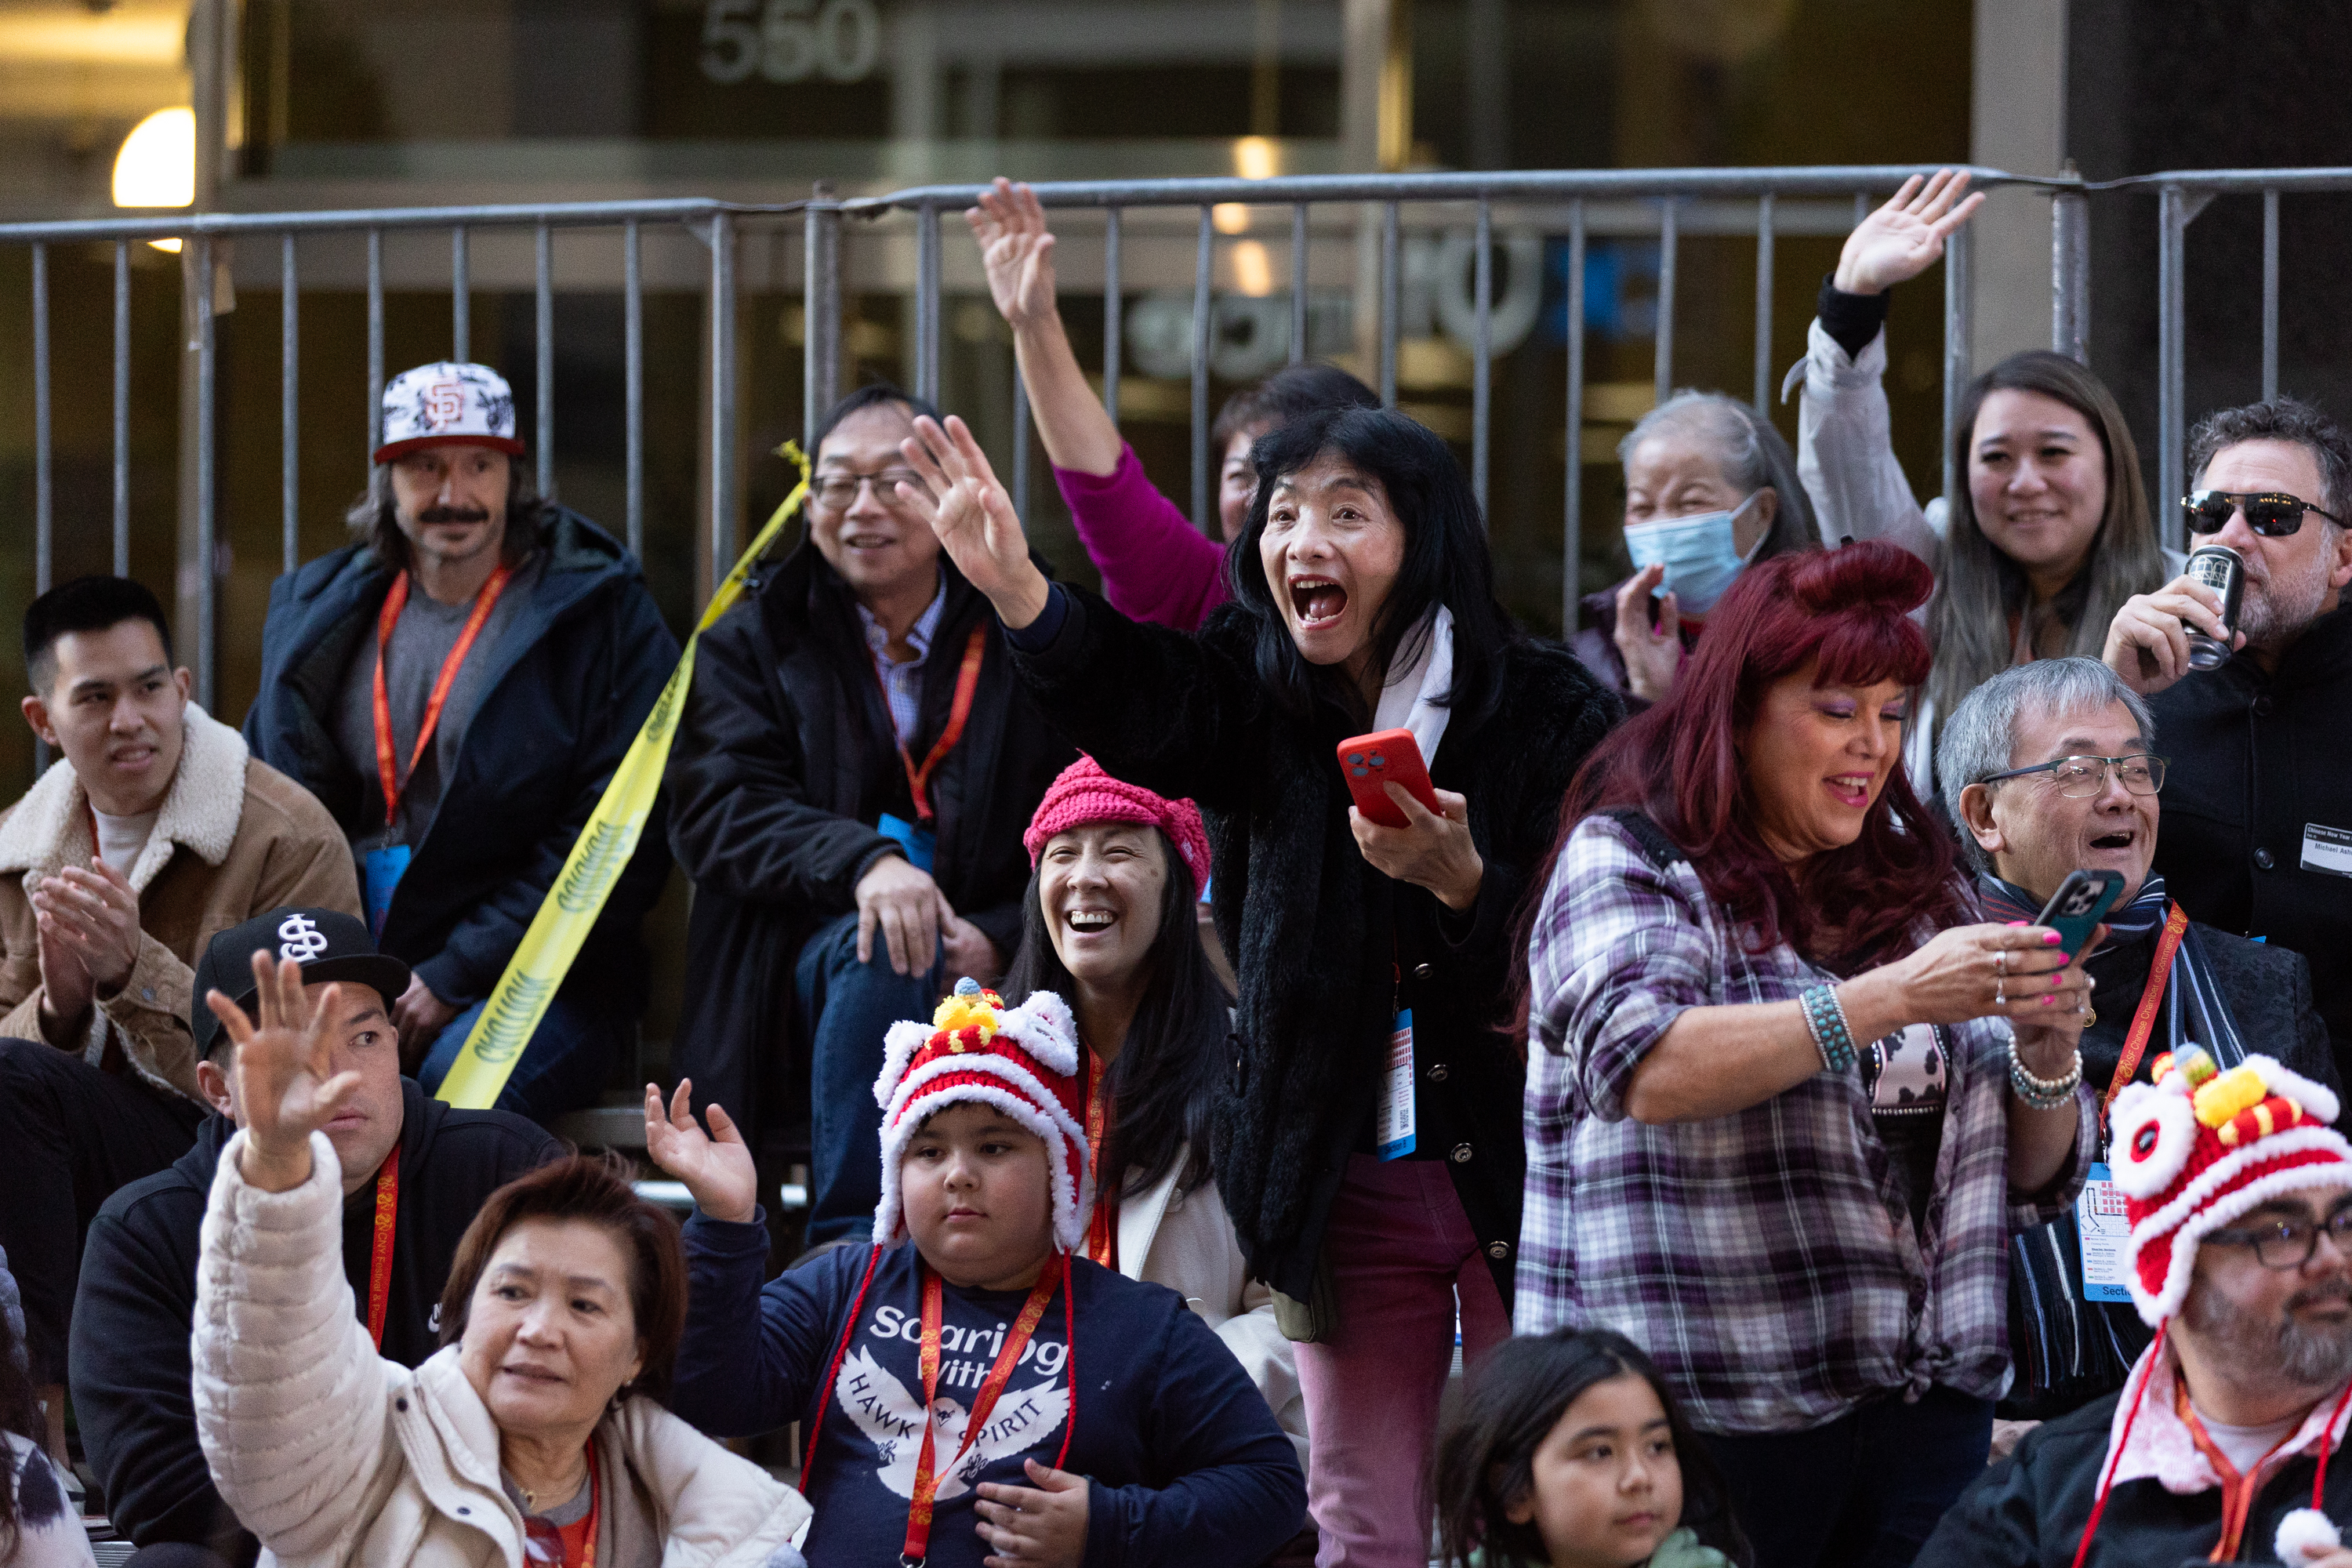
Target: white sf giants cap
{"type": "Point", "coordinates": [447, 403]}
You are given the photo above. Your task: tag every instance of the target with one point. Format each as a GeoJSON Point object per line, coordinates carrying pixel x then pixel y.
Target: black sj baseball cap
{"type": "Point", "coordinates": [327, 943]}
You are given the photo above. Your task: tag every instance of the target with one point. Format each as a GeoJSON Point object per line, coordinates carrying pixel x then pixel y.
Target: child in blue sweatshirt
{"type": "Point", "coordinates": [1076, 1418]}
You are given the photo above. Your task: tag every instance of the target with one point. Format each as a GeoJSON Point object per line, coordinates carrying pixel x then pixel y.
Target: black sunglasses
{"type": "Point", "coordinates": [2271, 516]}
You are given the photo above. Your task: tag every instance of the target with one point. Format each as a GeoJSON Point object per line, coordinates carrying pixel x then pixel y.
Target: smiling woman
{"type": "Point", "coordinates": [560, 1325]}
{"type": "Point", "coordinates": [1752, 955]}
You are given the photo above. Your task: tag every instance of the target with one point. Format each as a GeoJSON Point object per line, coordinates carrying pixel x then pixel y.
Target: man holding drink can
{"type": "Point", "coordinates": [2250, 679]}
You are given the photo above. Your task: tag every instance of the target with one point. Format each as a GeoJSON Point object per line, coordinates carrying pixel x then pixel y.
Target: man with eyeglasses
{"type": "Point", "coordinates": [2225, 1443]}
{"type": "Point", "coordinates": [2260, 795]}
{"type": "Point", "coordinates": [848, 790]}
{"type": "Point", "coordinates": [2052, 767]}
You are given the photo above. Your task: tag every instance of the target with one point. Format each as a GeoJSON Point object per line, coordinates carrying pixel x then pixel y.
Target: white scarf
{"type": "Point", "coordinates": [1413, 696]}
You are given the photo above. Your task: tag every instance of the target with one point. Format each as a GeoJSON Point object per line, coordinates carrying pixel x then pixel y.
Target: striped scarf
{"type": "Point", "coordinates": [2198, 1013]}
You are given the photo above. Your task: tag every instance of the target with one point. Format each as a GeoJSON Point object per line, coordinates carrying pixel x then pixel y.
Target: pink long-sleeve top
{"type": "Point", "coordinates": [1156, 566]}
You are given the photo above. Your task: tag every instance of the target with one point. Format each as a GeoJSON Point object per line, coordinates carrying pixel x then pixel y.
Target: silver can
{"type": "Point", "coordinates": [2220, 568]}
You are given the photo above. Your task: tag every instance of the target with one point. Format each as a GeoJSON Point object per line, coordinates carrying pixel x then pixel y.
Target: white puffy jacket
{"type": "Point", "coordinates": [335, 1456]}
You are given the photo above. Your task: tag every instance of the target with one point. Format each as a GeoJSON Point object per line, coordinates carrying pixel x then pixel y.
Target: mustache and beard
{"type": "Point", "coordinates": [453, 514]}
{"type": "Point", "coordinates": [2278, 607]}
{"type": "Point", "coordinates": [2289, 1351]}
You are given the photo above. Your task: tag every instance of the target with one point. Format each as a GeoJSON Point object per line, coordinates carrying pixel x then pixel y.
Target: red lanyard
{"type": "Point", "coordinates": [1102, 1226]}
{"type": "Point", "coordinates": [967, 682]}
{"type": "Point", "coordinates": [387, 764]}
{"type": "Point", "coordinates": [919, 1508]}
{"type": "Point", "coordinates": [595, 1507]}
{"type": "Point", "coordinates": [387, 1208]}
{"type": "Point", "coordinates": [2176, 925]}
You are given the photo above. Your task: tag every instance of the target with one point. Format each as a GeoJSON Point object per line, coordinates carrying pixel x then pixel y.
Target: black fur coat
{"type": "Point", "coordinates": [1325, 946]}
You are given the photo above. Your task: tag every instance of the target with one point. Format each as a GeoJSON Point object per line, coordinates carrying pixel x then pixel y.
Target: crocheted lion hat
{"type": "Point", "coordinates": [1023, 1061]}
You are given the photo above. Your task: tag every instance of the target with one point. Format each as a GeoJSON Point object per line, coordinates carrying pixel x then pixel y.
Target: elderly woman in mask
{"type": "Point", "coordinates": [535, 1436]}
{"type": "Point", "coordinates": [1710, 489]}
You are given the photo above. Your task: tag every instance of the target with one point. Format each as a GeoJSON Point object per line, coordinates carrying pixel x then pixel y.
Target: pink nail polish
{"type": "Point", "coordinates": [2053, 939]}
{"type": "Point", "coordinates": [2017, 923]}
{"type": "Point", "coordinates": [2047, 1000]}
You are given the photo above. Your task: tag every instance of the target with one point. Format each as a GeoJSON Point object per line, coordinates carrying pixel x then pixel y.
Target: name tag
{"type": "Point", "coordinates": [920, 844]}
{"type": "Point", "coordinates": [2327, 849]}
{"type": "Point", "coordinates": [2103, 1228]}
{"type": "Point", "coordinates": [382, 870]}
{"type": "Point", "coordinates": [1393, 1123]}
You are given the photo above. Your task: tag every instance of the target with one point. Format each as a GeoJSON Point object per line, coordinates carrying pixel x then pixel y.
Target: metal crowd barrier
{"type": "Point", "coordinates": [1374, 211]}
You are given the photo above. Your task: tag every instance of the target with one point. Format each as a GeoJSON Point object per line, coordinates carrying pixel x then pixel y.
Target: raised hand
{"type": "Point", "coordinates": [717, 1169]}
{"type": "Point", "coordinates": [283, 1071]}
{"type": "Point", "coordinates": [1017, 252]}
{"type": "Point", "coordinates": [1906, 236]}
{"type": "Point", "coordinates": [1653, 655]}
{"type": "Point", "coordinates": [974, 517]}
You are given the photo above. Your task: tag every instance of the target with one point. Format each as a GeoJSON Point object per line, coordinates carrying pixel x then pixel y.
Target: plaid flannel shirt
{"type": "Point", "coordinates": [1766, 1261]}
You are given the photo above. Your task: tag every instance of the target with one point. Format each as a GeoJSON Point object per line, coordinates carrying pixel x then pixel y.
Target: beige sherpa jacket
{"type": "Point", "coordinates": [338, 1459]}
{"type": "Point", "coordinates": [234, 838]}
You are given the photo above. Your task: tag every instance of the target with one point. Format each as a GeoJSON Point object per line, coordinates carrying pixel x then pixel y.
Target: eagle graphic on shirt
{"type": "Point", "coordinates": [892, 1420]}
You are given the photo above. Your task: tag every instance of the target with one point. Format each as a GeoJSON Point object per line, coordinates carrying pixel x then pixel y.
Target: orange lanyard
{"type": "Point", "coordinates": [1102, 1226]}
{"type": "Point", "coordinates": [2176, 925]}
{"type": "Point", "coordinates": [387, 1207]}
{"type": "Point", "coordinates": [967, 682]}
{"type": "Point", "coordinates": [1033, 1311]}
{"type": "Point", "coordinates": [387, 764]}
{"type": "Point", "coordinates": [595, 1507]}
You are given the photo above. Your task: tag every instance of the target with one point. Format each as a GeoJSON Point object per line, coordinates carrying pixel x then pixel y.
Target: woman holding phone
{"type": "Point", "coordinates": [1369, 958]}
{"type": "Point", "coordinates": [1789, 1094]}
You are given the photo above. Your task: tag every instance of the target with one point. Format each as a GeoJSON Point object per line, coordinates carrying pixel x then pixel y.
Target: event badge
{"type": "Point", "coordinates": [920, 844]}
{"type": "Point", "coordinates": [2102, 1227]}
{"type": "Point", "coordinates": [382, 869]}
{"type": "Point", "coordinates": [2327, 849]}
{"type": "Point", "coordinates": [1394, 1125]}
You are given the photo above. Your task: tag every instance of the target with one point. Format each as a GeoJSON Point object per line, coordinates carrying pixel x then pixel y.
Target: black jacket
{"type": "Point", "coordinates": [1325, 947]}
{"type": "Point", "coordinates": [2256, 758]}
{"type": "Point", "coordinates": [129, 1352]}
{"type": "Point", "coordinates": [571, 680]}
{"type": "Point", "coordinates": [784, 762]}
{"type": "Point", "coordinates": [2028, 1510]}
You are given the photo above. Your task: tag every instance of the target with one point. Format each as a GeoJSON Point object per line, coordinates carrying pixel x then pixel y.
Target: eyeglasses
{"type": "Point", "coordinates": [2289, 1242]}
{"type": "Point", "coordinates": [2080, 778]}
{"type": "Point", "coordinates": [839, 491]}
{"type": "Point", "coordinates": [2270, 515]}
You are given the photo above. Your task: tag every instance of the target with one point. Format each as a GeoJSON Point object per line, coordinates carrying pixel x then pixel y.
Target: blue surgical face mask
{"type": "Point", "coordinates": [1698, 552]}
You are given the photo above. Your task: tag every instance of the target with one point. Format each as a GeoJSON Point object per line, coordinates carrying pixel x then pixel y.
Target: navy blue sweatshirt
{"type": "Point", "coordinates": [1185, 1461]}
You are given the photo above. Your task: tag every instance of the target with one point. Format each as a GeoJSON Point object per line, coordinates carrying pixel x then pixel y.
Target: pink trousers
{"type": "Point", "coordinates": [1402, 1253]}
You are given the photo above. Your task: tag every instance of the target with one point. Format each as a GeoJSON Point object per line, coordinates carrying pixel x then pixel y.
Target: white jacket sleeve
{"type": "Point", "coordinates": [291, 1395]}
{"type": "Point", "coordinates": [1845, 450]}
{"type": "Point", "coordinates": [1269, 1358]}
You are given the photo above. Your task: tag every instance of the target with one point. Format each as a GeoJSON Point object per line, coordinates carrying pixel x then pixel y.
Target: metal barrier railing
{"type": "Point", "coordinates": [1663, 205]}
{"type": "Point", "coordinates": [714, 222]}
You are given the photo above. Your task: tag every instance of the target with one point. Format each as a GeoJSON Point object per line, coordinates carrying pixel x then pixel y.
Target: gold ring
{"type": "Point", "coordinates": [2090, 1015]}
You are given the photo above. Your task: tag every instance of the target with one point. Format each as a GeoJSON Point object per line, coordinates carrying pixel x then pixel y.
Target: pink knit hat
{"type": "Point", "coordinates": [1084, 793]}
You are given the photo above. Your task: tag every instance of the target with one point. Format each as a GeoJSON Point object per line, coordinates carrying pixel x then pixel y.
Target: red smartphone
{"type": "Point", "coordinates": [1368, 762]}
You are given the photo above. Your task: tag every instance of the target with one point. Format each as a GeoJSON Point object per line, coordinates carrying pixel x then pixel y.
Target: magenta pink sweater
{"type": "Point", "coordinates": [1156, 566]}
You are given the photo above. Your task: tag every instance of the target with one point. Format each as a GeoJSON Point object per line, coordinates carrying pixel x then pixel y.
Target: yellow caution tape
{"type": "Point", "coordinates": [521, 998]}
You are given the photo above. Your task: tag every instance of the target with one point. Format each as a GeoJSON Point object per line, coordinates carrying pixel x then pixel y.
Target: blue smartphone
{"type": "Point", "coordinates": [2078, 906]}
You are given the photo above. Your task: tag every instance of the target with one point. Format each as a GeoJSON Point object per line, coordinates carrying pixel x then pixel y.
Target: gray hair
{"type": "Point", "coordinates": [1979, 738]}
{"type": "Point", "coordinates": [2286, 419]}
{"type": "Point", "coordinates": [1750, 454]}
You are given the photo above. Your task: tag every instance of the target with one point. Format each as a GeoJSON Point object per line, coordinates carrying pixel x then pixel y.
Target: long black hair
{"type": "Point", "coordinates": [20, 1415]}
{"type": "Point", "coordinates": [1161, 1090]}
{"type": "Point", "coordinates": [1484, 1460]}
{"type": "Point", "coordinates": [1446, 561]}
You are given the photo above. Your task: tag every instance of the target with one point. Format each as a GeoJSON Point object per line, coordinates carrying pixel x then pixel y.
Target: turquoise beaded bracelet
{"type": "Point", "coordinates": [1825, 1017]}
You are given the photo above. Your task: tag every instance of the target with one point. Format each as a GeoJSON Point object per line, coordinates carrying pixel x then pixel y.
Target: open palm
{"type": "Point", "coordinates": [717, 1168]}
{"type": "Point", "coordinates": [287, 1087]}
{"type": "Point", "coordinates": [973, 516]}
{"type": "Point", "coordinates": [1905, 237]}
{"type": "Point", "coordinates": [1015, 251]}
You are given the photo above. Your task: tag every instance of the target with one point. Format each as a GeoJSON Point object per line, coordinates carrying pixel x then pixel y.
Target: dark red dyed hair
{"type": "Point", "coordinates": [1846, 614]}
